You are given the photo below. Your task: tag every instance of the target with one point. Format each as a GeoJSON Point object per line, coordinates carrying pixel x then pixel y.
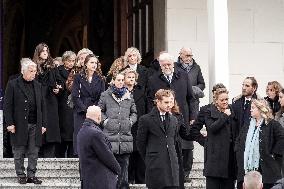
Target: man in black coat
{"type": "Point", "coordinates": [156, 139]}
{"type": "Point", "coordinates": [99, 168]}
{"type": "Point", "coordinates": [241, 106]}
{"type": "Point", "coordinates": [24, 113]}
{"type": "Point", "coordinates": [188, 65]}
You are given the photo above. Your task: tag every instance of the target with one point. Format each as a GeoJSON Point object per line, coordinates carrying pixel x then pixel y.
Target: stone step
{"type": "Point", "coordinates": [62, 185]}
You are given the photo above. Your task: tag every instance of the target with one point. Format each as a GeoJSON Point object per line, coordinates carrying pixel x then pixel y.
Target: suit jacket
{"type": "Point", "coordinates": [16, 110]}
{"type": "Point", "coordinates": [98, 164]}
{"type": "Point", "coordinates": [157, 147]}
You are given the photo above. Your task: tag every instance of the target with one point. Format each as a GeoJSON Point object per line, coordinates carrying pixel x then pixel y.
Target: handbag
{"type": "Point", "coordinates": [70, 102]}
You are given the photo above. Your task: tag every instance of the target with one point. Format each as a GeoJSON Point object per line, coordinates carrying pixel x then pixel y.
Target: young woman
{"type": "Point", "coordinates": [260, 145]}
{"type": "Point", "coordinates": [86, 91]}
{"type": "Point", "coordinates": [272, 90]}
{"type": "Point", "coordinates": [119, 114]}
{"type": "Point", "coordinates": [48, 76]}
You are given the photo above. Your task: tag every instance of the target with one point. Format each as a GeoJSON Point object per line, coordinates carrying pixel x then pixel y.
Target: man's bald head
{"type": "Point", "coordinates": [94, 113]}
{"type": "Point", "coordinates": [186, 55]}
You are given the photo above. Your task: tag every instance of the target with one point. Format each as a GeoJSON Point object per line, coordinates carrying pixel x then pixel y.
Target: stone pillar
{"type": "Point", "coordinates": [218, 42]}
{"type": "Point", "coordinates": [159, 17]}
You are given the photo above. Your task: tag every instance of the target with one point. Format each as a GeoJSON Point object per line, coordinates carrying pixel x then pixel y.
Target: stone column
{"type": "Point", "coordinates": [218, 42]}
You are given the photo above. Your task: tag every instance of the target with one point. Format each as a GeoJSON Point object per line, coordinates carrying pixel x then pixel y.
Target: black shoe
{"type": "Point", "coordinates": [22, 180]}
{"type": "Point", "coordinates": [34, 180]}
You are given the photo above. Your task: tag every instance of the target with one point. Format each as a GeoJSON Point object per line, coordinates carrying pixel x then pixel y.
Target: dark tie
{"type": "Point", "coordinates": [168, 78]}
{"type": "Point", "coordinates": [163, 118]}
{"type": "Point", "coordinates": [247, 104]}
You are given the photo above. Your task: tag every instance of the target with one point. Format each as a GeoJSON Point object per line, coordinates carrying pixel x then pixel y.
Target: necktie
{"type": "Point", "coordinates": [247, 103]}
{"type": "Point", "coordinates": [168, 78]}
{"type": "Point", "coordinates": [163, 117]}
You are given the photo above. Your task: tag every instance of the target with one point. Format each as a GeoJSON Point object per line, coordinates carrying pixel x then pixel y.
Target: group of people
{"type": "Point", "coordinates": [138, 124]}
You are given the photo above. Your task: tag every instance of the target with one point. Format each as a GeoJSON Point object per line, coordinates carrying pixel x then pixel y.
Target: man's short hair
{"type": "Point", "coordinates": [163, 93]}
{"type": "Point", "coordinates": [253, 180]}
{"type": "Point", "coordinates": [26, 63]}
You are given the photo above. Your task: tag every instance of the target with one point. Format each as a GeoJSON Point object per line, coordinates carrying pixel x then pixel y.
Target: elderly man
{"type": "Point", "coordinates": [24, 112]}
{"type": "Point", "coordinates": [99, 168]}
{"type": "Point", "coordinates": [253, 180]}
{"type": "Point", "coordinates": [187, 63]}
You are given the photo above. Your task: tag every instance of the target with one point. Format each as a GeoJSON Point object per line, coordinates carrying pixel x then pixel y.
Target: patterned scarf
{"type": "Point", "coordinates": [251, 154]}
{"type": "Point", "coordinates": [118, 92]}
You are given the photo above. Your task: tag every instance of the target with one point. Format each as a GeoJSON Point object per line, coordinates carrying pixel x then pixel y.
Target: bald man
{"type": "Point", "coordinates": [186, 63]}
{"type": "Point", "coordinates": [253, 180]}
{"type": "Point", "coordinates": [99, 168]}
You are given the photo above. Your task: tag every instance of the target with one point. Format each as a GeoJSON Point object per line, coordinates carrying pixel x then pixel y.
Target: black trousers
{"type": "Point", "coordinates": [187, 158]}
{"type": "Point", "coordinates": [219, 183]}
{"type": "Point", "coordinates": [136, 169]}
{"type": "Point", "coordinates": [64, 150]}
{"type": "Point", "coordinates": [31, 150]}
{"type": "Point", "coordinates": [123, 160]}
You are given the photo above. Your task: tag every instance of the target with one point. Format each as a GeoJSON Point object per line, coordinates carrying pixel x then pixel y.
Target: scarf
{"type": "Point", "coordinates": [118, 92]}
{"type": "Point", "coordinates": [251, 154]}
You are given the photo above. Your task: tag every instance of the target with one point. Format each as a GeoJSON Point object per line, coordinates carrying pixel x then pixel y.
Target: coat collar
{"type": "Point", "coordinates": [155, 115]}
{"type": "Point", "coordinates": [89, 86]}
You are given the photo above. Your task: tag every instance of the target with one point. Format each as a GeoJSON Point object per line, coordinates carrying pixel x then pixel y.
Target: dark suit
{"type": "Point", "coordinates": [99, 168]}
{"type": "Point", "coordinates": [156, 144]}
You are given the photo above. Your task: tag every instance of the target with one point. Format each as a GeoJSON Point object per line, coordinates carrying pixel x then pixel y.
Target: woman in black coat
{"type": "Point", "coordinates": [66, 113]}
{"type": "Point", "coordinates": [136, 164]}
{"type": "Point", "coordinates": [86, 91]}
{"type": "Point", "coordinates": [219, 164]}
{"type": "Point", "coordinates": [260, 145]}
{"type": "Point", "coordinates": [49, 77]}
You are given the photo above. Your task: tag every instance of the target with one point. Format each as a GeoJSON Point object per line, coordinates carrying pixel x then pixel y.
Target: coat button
{"type": "Point", "coordinates": [26, 101]}
{"type": "Point", "coordinates": [167, 146]}
{"type": "Point", "coordinates": [25, 117]}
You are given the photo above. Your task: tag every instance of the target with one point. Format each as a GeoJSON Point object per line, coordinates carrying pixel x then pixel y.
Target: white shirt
{"type": "Point", "coordinates": [133, 67]}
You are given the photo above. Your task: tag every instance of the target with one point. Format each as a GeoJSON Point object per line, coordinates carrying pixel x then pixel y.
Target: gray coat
{"type": "Point", "coordinates": [118, 116]}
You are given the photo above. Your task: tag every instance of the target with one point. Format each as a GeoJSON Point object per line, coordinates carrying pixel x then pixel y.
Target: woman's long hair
{"type": "Point", "coordinates": [98, 70]}
{"type": "Point", "coordinates": [42, 64]}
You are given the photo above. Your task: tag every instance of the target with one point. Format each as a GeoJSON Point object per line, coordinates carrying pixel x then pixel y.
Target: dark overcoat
{"type": "Point", "coordinates": [65, 112]}
{"type": "Point", "coordinates": [157, 147]}
{"type": "Point", "coordinates": [271, 147]}
{"type": "Point", "coordinates": [140, 99]}
{"type": "Point", "coordinates": [16, 110]}
{"type": "Point", "coordinates": [219, 158]}
{"type": "Point", "coordinates": [84, 94]}
{"type": "Point", "coordinates": [99, 168]}
{"type": "Point", "coordinates": [49, 79]}
{"type": "Point", "coordinates": [181, 85]}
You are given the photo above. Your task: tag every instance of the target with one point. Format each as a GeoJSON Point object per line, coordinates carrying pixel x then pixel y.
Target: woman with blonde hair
{"type": "Point", "coordinates": [115, 68]}
{"type": "Point", "coordinates": [272, 90]}
{"type": "Point", "coordinates": [260, 145]}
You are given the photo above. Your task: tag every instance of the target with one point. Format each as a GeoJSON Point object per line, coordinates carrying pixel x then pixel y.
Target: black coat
{"type": "Point", "coordinates": [65, 112]}
{"type": "Point", "coordinates": [219, 158]}
{"type": "Point", "coordinates": [140, 99]}
{"type": "Point", "coordinates": [16, 110]}
{"type": "Point", "coordinates": [99, 167]}
{"type": "Point", "coordinates": [271, 146]}
{"type": "Point", "coordinates": [84, 94]}
{"type": "Point", "coordinates": [49, 79]}
{"type": "Point", "coordinates": [183, 93]}
{"type": "Point", "coordinates": [157, 147]}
